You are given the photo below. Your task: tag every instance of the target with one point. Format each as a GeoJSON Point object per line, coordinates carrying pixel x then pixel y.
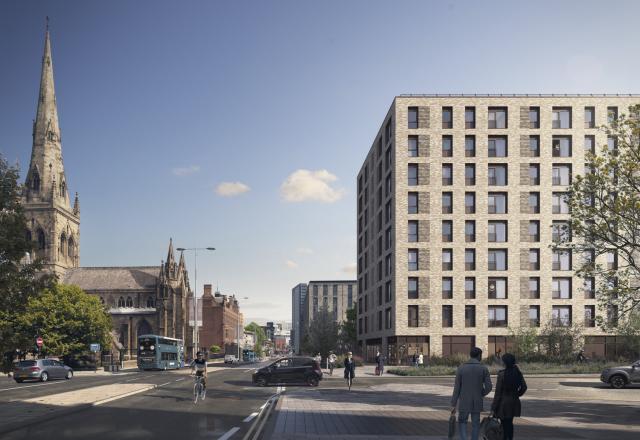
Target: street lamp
{"type": "Point", "coordinates": [238, 326]}
{"type": "Point", "coordinates": [195, 292]}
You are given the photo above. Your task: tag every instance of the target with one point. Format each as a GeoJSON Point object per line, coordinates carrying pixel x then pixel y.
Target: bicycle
{"type": "Point", "coordinates": [199, 390]}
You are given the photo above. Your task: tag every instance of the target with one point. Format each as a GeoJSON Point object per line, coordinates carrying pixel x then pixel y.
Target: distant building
{"type": "Point", "coordinates": [298, 299]}
{"type": "Point", "coordinates": [222, 321]}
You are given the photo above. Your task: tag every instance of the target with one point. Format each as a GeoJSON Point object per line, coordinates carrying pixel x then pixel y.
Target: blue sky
{"type": "Point", "coordinates": [160, 102]}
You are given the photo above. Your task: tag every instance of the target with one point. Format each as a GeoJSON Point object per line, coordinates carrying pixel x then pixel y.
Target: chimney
{"type": "Point", "coordinates": [207, 289]}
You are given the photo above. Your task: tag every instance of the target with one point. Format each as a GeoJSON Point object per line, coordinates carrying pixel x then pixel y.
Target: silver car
{"type": "Point", "coordinates": [619, 377]}
{"type": "Point", "coordinates": [42, 370]}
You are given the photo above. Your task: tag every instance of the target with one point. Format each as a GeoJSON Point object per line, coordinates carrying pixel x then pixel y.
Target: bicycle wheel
{"type": "Point", "coordinates": [197, 389]}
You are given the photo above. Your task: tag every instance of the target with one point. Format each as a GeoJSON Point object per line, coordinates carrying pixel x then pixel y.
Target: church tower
{"type": "Point", "coordinates": [52, 223]}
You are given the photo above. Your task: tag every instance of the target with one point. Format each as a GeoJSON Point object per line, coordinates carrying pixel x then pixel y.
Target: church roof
{"type": "Point", "coordinates": [113, 278]}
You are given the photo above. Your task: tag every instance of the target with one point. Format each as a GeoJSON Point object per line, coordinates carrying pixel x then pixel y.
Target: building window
{"type": "Point", "coordinates": [447, 288]}
{"type": "Point", "coordinates": [387, 238]}
{"type": "Point", "coordinates": [149, 302]}
{"type": "Point", "coordinates": [41, 240]}
{"type": "Point", "coordinates": [413, 316]}
{"type": "Point", "coordinates": [413, 117]}
{"type": "Point", "coordinates": [561, 288]}
{"type": "Point", "coordinates": [560, 232]}
{"type": "Point", "coordinates": [387, 212]}
{"type": "Point", "coordinates": [497, 288]}
{"type": "Point", "coordinates": [447, 316]}
{"type": "Point", "coordinates": [469, 117]}
{"type": "Point", "coordinates": [612, 315]}
{"type": "Point", "coordinates": [413, 174]}
{"type": "Point", "coordinates": [413, 231]}
{"type": "Point", "coordinates": [534, 146]}
{"type": "Point", "coordinates": [534, 259]}
{"type": "Point", "coordinates": [589, 117]}
{"type": "Point", "coordinates": [612, 260]}
{"type": "Point", "coordinates": [561, 175]}
{"type": "Point", "coordinates": [413, 146]}
{"type": "Point", "coordinates": [447, 174]}
{"type": "Point", "coordinates": [561, 146]}
{"type": "Point", "coordinates": [497, 316]}
{"type": "Point", "coordinates": [447, 259]}
{"type": "Point", "coordinates": [534, 174]}
{"type": "Point", "coordinates": [469, 259]}
{"type": "Point", "coordinates": [388, 292]}
{"type": "Point", "coordinates": [534, 230]}
{"type": "Point", "coordinates": [534, 202]}
{"type": "Point", "coordinates": [612, 114]}
{"type": "Point", "coordinates": [121, 302]}
{"type": "Point", "coordinates": [498, 146]}
{"type": "Point", "coordinates": [387, 318]}
{"type": "Point", "coordinates": [470, 288]}
{"type": "Point", "coordinates": [469, 316]}
{"type": "Point", "coordinates": [497, 203]}
{"type": "Point", "coordinates": [129, 302]}
{"type": "Point", "coordinates": [470, 174]}
{"type": "Point", "coordinates": [470, 203]}
{"type": "Point", "coordinates": [497, 231]}
{"type": "Point", "coordinates": [413, 288]}
{"type": "Point", "coordinates": [413, 203]}
{"type": "Point", "coordinates": [612, 143]}
{"type": "Point", "coordinates": [498, 259]}
{"type": "Point", "coordinates": [560, 203]}
{"type": "Point", "coordinates": [534, 316]}
{"type": "Point", "coordinates": [470, 146]}
{"type": "Point", "coordinates": [388, 186]}
{"type": "Point", "coordinates": [447, 231]}
{"type": "Point", "coordinates": [470, 231]}
{"type": "Point", "coordinates": [561, 316]}
{"type": "Point", "coordinates": [590, 144]}
{"type": "Point", "coordinates": [589, 288]}
{"type": "Point", "coordinates": [412, 257]}
{"type": "Point", "coordinates": [350, 296]}
{"type": "Point", "coordinates": [447, 202]}
{"type": "Point", "coordinates": [589, 316]}
{"type": "Point", "coordinates": [497, 117]}
{"type": "Point", "coordinates": [447, 146]}
{"type": "Point", "coordinates": [388, 268]}
{"type": "Point", "coordinates": [534, 287]}
{"type": "Point", "coordinates": [534, 117]}
{"type": "Point", "coordinates": [447, 117]}
{"type": "Point", "coordinates": [561, 117]}
{"type": "Point", "coordinates": [497, 174]}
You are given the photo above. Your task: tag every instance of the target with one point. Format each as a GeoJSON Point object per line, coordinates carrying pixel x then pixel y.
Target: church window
{"type": "Point", "coordinates": [129, 302]}
{"type": "Point", "coordinates": [121, 302]}
{"type": "Point", "coordinates": [35, 182]}
{"type": "Point", "coordinates": [63, 188]}
{"type": "Point", "coordinates": [63, 244]}
{"type": "Point", "coordinates": [150, 302]}
{"type": "Point", "coordinates": [71, 248]}
{"type": "Point", "coordinates": [41, 240]}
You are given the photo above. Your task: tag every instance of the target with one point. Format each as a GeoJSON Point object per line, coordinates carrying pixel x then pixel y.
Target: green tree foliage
{"type": "Point", "coordinates": [525, 343]}
{"type": "Point", "coordinates": [322, 334]}
{"type": "Point", "coordinates": [605, 217]}
{"type": "Point", "coordinates": [215, 349]}
{"type": "Point", "coordinates": [561, 343]}
{"type": "Point", "coordinates": [261, 337]}
{"type": "Point", "coordinates": [67, 319]}
{"type": "Point", "coordinates": [18, 280]}
{"type": "Point", "coordinates": [348, 336]}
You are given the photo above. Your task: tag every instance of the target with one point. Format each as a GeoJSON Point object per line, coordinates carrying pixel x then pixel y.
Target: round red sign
{"type": "Point", "coordinates": [39, 342]}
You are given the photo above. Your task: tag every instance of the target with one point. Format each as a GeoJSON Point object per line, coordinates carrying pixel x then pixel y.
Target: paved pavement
{"type": "Point", "coordinates": [390, 407]}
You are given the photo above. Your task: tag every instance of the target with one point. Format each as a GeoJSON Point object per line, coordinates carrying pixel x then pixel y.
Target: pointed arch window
{"type": "Point", "coordinates": [63, 244]}
{"type": "Point", "coordinates": [63, 188]}
{"type": "Point", "coordinates": [35, 182]}
{"type": "Point", "coordinates": [129, 302]}
{"type": "Point", "coordinates": [150, 302]}
{"type": "Point", "coordinates": [41, 240]}
{"type": "Point", "coordinates": [71, 251]}
{"type": "Point", "coordinates": [121, 302]}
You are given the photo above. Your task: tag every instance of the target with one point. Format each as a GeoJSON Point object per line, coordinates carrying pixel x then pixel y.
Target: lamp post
{"type": "Point", "coordinates": [195, 292]}
{"type": "Point", "coordinates": [238, 326]}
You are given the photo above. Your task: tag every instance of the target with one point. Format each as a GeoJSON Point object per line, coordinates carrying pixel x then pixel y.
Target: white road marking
{"type": "Point", "coordinates": [29, 386]}
{"type": "Point", "coordinates": [229, 433]}
{"type": "Point", "coordinates": [250, 417]}
{"type": "Point", "coordinates": [164, 384]}
{"type": "Point", "coordinates": [178, 380]}
{"type": "Point", "coordinates": [131, 380]}
{"type": "Point", "coordinates": [249, 369]}
{"type": "Point", "coordinates": [549, 389]}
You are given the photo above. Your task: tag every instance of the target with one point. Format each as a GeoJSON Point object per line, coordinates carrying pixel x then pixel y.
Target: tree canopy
{"type": "Point", "coordinates": [261, 337]}
{"type": "Point", "coordinates": [322, 334]}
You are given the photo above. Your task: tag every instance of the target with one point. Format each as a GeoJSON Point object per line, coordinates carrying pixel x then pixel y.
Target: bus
{"type": "Point", "coordinates": [160, 353]}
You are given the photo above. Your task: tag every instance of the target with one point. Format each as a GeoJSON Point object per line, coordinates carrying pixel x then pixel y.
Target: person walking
{"type": "Point", "coordinates": [510, 386]}
{"type": "Point", "coordinates": [379, 364]}
{"type": "Point", "coordinates": [415, 359]}
{"type": "Point", "coordinates": [332, 362]}
{"type": "Point", "coordinates": [349, 369]}
{"type": "Point", "coordinates": [473, 382]}
{"type": "Point", "coordinates": [421, 360]}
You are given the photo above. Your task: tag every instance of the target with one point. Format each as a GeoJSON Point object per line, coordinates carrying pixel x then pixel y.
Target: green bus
{"type": "Point", "coordinates": [160, 353]}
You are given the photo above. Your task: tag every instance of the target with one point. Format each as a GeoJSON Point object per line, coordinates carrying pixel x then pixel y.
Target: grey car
{"type": "Point", "coordinates": [619, 377]}
{"type": "Point", "coordinates": [42, 370]}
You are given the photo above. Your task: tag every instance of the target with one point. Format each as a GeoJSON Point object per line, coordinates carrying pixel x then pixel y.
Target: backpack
{"type": "Point", "coordinates": [491, 429]}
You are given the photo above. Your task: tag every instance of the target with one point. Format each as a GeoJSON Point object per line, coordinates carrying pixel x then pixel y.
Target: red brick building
{"type": "Point", "coordinates": [221, 321]}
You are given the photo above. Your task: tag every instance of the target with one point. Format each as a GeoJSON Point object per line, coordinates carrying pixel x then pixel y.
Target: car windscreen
{"type": "Point", "coordinates": [147, 346]}
{"type": "Point", "coordinates": [23, 364]}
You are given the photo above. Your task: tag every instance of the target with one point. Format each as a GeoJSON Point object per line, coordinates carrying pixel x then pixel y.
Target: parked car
{"type": "Point", "coordinates": [297, 369]}
{"type": "Point", "coordinates": [619, 377]}
{"type": "Point", "coordinates": [42, 370]}
{"type": "Point", "coordinates": [231, 359]}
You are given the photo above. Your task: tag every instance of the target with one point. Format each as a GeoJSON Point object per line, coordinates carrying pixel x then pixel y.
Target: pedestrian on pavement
{"type": "Point", "coordinates": [349, 368]}
{"type": "Point", "coordinates": [379, 364]}
{"type": "Point", "coordinates": [318, 358]}
{"type": "Point", "coordinates": [332, 362]}
{"type": "Point", "coordinates": [415, 359]}
{"type": "Point", "coordinates": [421, 360]}
{"type": "Point", "coordinates": [472, 384]}
{"type": "Point", "coordinates": [510, 386]}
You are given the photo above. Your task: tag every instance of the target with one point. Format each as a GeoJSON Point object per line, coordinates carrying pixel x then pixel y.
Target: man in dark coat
{"type": "Point", "coordinates": [473, 382]}
{"type": "Point", "coordinates": [380, 364]}
{"type": "Point", "coordinates": [506, 401]}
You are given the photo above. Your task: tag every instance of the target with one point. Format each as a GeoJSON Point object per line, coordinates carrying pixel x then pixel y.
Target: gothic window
{"type": "Point", "coordinates": [150, 302]}
{"type": "Point", "coordinates": [63, 188]}
{"type": "Point", "coordinates": [102, 300]}
{"type": "Point", "coordinates": [121, 302]}
{"type": "Point", "coordinates": [35, 182]}
{"type": "Point", "coordinates": [129, 302]}
{"type": "Point", "coordinates": [41, 240]}
{"type": "Point", "coordinates": [71, 248]}
{"type": "Point", "coordinates": [63, 244]}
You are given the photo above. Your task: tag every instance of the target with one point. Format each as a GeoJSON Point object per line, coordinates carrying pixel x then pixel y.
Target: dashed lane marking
{"type": "Point", "coordinates": [29, 386]}
{"type": "Point", "coordinates": [167, 383]}
{"type": "Point", "coordinates": [178, 380]}
{"type": "Point", "coordinates": [229, 433]}
{"type": "Point", "coordinates": [250, 417]}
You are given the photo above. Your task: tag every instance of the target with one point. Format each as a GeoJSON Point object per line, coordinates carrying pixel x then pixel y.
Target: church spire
{"type": "Point", "coordinates": [46, 124]}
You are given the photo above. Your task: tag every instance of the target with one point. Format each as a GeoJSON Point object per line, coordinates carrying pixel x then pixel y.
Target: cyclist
{"type": "Point", "coordinates": [199, 369]}
{"type": "Point", "coordinates": [349, 368]}
{"type": "Point", "coordinates": [332, 362]}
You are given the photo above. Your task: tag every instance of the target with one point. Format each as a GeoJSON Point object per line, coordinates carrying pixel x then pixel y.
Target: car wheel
{"type": "Point", "coordinates": [312, 381]}
{"type": "Point", "coordinates": [44, 376]}
{"type": "Point", "coordinates": [69, 375]}
{"type": "Point", "coordinates": [262, 381]}
{"type": "Point", "coordinates": [617, 382]}
{"type": "Point", "coordinates": [19, 380]}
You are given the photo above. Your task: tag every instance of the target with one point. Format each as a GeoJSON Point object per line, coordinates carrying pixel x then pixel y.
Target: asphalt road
{"type": "Point", "coordinates": [167, 411]}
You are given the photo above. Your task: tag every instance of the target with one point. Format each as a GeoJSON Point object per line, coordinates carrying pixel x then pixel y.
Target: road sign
{"type": "Point", "coordinates": [95, 347]}
{"type": "Point", "coordinates": [39, 341]}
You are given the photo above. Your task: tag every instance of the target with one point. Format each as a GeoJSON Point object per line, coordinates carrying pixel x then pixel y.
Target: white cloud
{"type": "Point", "coordinates": [185, 171]}
{"type": "Point", "coordinates": [306, 185]}
{"type": "Point", "coordinates": [291, 264]}
{"type": "Point", "coordinates": [304, 250]}
{"type": "Point", "coordinates": [231, 189]}
{"type": "Point", "coordinates": [350, 269]}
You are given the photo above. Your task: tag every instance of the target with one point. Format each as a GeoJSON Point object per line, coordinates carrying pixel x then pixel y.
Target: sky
{"type": "Point", "coordinates": [241, 125]}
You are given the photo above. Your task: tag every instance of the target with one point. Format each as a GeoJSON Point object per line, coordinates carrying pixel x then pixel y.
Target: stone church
{"type": "Point", "coordinates": [141, 300]}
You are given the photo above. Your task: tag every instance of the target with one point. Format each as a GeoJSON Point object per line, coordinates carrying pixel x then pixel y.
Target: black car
{"type": "Point", "coordinates": [289, 370]}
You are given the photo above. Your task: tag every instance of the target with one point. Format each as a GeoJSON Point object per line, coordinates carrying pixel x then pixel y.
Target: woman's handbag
{"type": "Point", "coordinates": [452, 426]}
{"type": "Point", "coordinates": [491, 429]}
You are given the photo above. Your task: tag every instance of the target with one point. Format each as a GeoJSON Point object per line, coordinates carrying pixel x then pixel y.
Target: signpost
{"type": "Point", "coordinates": [95, 348]}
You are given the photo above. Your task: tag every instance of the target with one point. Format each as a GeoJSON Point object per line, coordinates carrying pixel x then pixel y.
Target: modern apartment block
{"type": "Point", "coordinates": [460, 199]}
{"type": "Point", "coordinates": [298, 299]}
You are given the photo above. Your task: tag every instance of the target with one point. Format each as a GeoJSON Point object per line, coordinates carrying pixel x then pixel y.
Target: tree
{"type": "Point", "coordinates": [19, 281]}
{"type": "Point", "coordinates": [561, 343]}
{"type": "Point", "coordinates": [348, 336]}
{"type": "Point", "coordinates": [67, 319]}
{"type": "Point", "coordinates": [525, 342]}
{"type": "Point", "coordinates": [261, 337]}
{"type": "Point", "coordinates": [322, 334]}
{"type": "Point", "coordinates": [215, 349]}
{"type": "Point", "coordinates": [605, 218]}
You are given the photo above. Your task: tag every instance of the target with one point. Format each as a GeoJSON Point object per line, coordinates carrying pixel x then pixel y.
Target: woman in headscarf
{"type": "Point", "coordinates": [506, 401]}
